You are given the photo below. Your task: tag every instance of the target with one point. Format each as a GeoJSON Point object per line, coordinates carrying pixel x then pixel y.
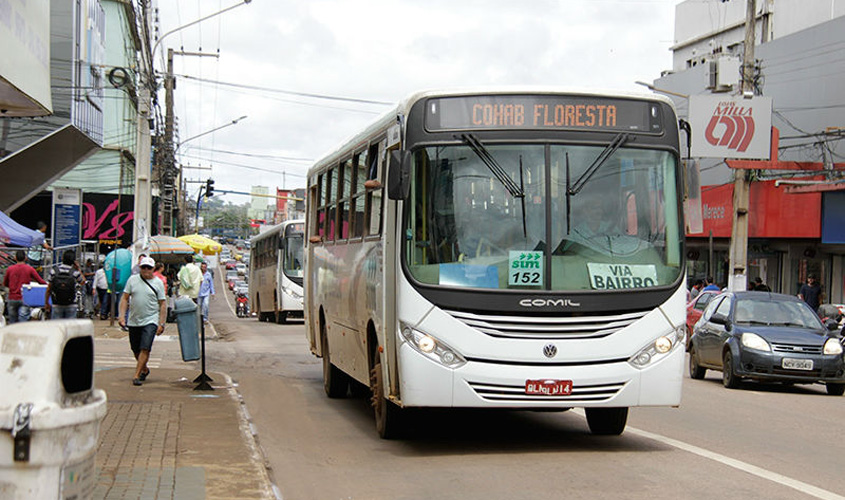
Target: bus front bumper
{"type": "Point", "coordinates": [479, 384]}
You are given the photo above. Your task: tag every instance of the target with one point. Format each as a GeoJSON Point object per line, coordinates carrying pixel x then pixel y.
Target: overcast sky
{"type": "Point", "coordinates": [271, 51]}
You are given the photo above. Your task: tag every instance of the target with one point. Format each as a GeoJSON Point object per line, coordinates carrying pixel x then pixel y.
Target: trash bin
{"type": "Point", "coordinates": [50, 412]}
{"type": "Point", "coordinates": [186, 321]}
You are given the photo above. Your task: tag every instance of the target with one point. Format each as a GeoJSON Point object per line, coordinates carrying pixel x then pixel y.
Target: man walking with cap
{"type": "Point", "coordinates": [144, 297]}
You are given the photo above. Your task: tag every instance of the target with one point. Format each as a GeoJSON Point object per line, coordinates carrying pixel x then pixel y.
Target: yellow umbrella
{"type": "Point", "coordinates": [202, 244]}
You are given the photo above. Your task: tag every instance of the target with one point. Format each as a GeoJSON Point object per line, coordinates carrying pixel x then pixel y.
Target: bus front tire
{"type": "Point", "coordinates": [388, 415]}
{"type": "Point", "coordinates": [607, 421]}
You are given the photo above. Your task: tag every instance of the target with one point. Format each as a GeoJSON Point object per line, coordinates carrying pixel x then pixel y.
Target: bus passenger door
{"type": "Point", "coordinates": [310, 280]}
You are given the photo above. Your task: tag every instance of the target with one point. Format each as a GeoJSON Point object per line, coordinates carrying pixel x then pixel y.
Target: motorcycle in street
{"type": "Point", "coordinates": [242, 309]}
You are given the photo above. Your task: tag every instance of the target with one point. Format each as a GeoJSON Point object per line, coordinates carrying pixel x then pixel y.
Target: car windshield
{"type": "Point", "coordinates": [776, 313]}
{"type": "Point", "coordinates": [518, 222]}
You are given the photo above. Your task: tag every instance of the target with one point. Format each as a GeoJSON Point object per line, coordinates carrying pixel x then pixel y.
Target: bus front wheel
{"type": "Point", "coordinates": [388, 415]}
{"type": "Point", "coordinates": [607, 421]}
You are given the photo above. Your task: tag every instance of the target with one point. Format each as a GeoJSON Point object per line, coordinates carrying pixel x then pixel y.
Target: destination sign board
{"type": "Point", "coordinates": [563, 112]}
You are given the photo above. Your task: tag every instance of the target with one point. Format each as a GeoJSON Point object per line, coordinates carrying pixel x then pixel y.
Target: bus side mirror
{"type": "Point", "coordinates": [399, 175]}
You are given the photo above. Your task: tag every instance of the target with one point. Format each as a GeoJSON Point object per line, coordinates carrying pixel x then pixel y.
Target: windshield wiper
{"type": "Point", "coordinates": [606, 153]}
{"type": "Point", "coordinates": [494, 167]}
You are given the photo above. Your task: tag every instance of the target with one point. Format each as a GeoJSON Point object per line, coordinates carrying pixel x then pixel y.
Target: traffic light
{"type": "Point", "coordinates": [209, 188]}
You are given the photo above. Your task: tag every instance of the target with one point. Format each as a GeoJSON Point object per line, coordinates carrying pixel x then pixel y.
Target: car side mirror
{"type": "Point", "coordinates": [399, 175]}
{"type": "Point", "coordinates": [721, 320]}
{"type": "Point", "coordinates": [831, 324]}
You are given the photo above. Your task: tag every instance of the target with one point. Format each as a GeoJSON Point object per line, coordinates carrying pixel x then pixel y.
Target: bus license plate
{"type": "Point", "coordinates": [797, 364]}
{"type": "Point", "coordinates": [548, 387]}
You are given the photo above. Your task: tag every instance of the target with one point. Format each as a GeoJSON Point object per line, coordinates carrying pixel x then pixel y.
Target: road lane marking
{"type": "Point", "coordinates": [760, 472]}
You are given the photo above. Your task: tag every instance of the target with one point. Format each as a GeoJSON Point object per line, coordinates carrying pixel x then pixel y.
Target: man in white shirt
{"type": "Point", "coordinates": [144, 297]}
{"type": "Point", "coordinates": [190, 279]}
{"type": "Point", "coordinates": [101, 286]}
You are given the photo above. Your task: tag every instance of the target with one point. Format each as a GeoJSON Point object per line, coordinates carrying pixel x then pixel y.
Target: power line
{"type": "Point", "coordinates": [289, 92]}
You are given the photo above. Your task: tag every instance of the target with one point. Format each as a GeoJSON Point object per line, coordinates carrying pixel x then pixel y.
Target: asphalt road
{"type": "Point", "coordinates": [768, 442]}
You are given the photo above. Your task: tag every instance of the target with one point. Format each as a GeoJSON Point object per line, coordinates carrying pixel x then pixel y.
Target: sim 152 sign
{"type": "Point", "coordinates": [731, 126]}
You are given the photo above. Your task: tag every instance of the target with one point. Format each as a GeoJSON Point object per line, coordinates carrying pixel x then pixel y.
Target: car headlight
{"type": "Point", "coordinates": [432, 348]}
{"type": "Point", "coordinates": [659, 348]}
{"type": "Point", "coordinates": [832, 346]}
{"type": "Point", "coordinates": [756, 342]}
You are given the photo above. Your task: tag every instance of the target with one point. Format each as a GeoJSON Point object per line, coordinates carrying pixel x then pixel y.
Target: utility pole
{"type": "Point", "coordinates": [143, 169]}
{"type": "Point", "coordinates": [738, 278]}
{"type": "Point", "coordinates": [169, 175]}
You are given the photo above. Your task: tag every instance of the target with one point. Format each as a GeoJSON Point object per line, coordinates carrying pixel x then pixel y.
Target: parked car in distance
{"type": "Point", "coordinates": [694, 309]}
{"type": "Point", "coordinates": [766, 337]}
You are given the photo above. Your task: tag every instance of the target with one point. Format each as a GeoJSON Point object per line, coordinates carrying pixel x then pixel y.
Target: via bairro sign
{"type": "Point", "coordinates": [726, 126]}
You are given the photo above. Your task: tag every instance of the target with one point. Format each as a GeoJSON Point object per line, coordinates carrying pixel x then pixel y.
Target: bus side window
{"type": "Point", "coordinates": [345, 187]}
{"type": "Point", "coordinates": [331, 204]}
{"type": "Point", "coordinates": [357, 203]}
{"type": "Point", "coordinates": [315, 227]}
{"type": "Point", "coordinates": [374, 204]}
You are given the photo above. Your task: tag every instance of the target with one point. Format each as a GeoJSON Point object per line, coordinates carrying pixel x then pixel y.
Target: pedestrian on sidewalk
{"type": "Point", "coordinates": [17, 275]}
{"type": "Point", "coordinates": [88, 273]}
{"type": "Point", "coordinates": [35, 255]}
{"type": "Point", "coordinates": [190, 279]}
{"type": "Point", "coordinates": [101, 284]}
{"type": "Point", "coordinates": [62, 288]}
{"type": "Point", "coordinates": [811, 292]}
{"type": "Point", "coordinates": [143, 298]}
{"type": "Point", "coordinates": [206, 290]}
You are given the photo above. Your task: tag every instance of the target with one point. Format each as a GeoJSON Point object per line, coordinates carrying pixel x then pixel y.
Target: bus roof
{"type": "Point", "coordinates": [274, 229]}
{"type": "Point", "coordinates": [361, 138]}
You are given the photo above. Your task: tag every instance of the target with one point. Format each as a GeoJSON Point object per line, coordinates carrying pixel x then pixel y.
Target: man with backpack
{"type": "Point", "coordinates": [61, 288]}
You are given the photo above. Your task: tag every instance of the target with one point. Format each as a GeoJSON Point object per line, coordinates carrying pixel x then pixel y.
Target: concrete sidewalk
{"type": "Point", "coordinates": [165, 440]}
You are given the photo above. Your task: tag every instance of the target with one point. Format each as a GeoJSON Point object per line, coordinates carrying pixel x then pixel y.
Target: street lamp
{"type": "Point", "coordinates": [662, 91]}
{"type": "Point", "coordinates": [227, 9]}
{"type": "Point", "coordinates": [228, 124]}
{"type": "Point", "coordinates": [143, 187]}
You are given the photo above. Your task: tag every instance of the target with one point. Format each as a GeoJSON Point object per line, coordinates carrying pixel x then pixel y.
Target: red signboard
{"type": "Point", "coordinates": [772, 213]}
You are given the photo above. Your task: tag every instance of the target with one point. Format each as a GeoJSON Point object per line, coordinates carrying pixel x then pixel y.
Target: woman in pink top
{"type": "Point", "coordinates": [159, 273]}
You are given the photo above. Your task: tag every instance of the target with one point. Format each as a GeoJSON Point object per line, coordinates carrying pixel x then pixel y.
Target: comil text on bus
{"type": "Point", "coordinates": [544, 115]}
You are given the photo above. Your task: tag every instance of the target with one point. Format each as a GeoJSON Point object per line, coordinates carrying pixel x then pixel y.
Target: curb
{"type": "Point", "coordinates": [250, 435]}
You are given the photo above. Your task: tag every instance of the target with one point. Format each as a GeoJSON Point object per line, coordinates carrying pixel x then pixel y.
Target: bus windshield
{"type": "Point", "coordinates": [293, 256]}
{"type": "Point", "coordinates": [619, 228]}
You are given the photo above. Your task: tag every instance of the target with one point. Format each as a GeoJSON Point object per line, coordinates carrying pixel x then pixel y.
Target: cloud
{"type": "Point", "coordinates": [384, 50]}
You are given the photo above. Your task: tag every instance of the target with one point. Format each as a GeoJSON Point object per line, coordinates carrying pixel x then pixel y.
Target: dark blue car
{"type": "Point", "coordinates": [768, 337]}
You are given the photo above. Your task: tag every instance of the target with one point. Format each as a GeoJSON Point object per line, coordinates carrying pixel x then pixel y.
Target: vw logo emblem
{"type": "Point", "coordinates": [550, 350]}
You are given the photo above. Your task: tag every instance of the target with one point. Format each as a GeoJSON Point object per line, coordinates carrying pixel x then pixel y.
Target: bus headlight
{"type": "Point", "coordinates": [432, 348]}
{"type": "Point", "coordinates": [658, 349]}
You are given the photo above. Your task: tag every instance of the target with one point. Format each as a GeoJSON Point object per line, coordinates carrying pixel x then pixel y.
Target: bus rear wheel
{"type": "Point", "coordinates": [607, 421]}
{"type": "Point", "coordinates": [388, 415]}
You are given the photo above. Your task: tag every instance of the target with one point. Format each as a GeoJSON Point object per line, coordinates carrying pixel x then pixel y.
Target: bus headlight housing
{"type": "Point", "coordinates": [658, 348]}
{"type": "Point", "coordinates": [432, 348]}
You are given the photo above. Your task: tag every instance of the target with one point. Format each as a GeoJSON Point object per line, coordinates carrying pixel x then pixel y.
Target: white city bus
{"type": "Point", "coordinates": [508, 248]}
{"type": "Point", "coordinates": [276, 272]}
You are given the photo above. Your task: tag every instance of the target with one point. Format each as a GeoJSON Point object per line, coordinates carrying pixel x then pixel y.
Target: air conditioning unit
{"type": "Point", "coordinates": [723, 73]}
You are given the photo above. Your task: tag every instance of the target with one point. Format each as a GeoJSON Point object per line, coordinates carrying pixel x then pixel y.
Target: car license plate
{"type": "Point", "coordinates": [548, 387]}
{"type": "Point", "coordinates": [797, 364]}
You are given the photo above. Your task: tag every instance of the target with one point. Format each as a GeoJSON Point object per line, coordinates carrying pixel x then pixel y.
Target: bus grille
{"type": "Point", "coordinates": [547, 328]}
{"type": "Point", "coordinates": [516, 393]}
